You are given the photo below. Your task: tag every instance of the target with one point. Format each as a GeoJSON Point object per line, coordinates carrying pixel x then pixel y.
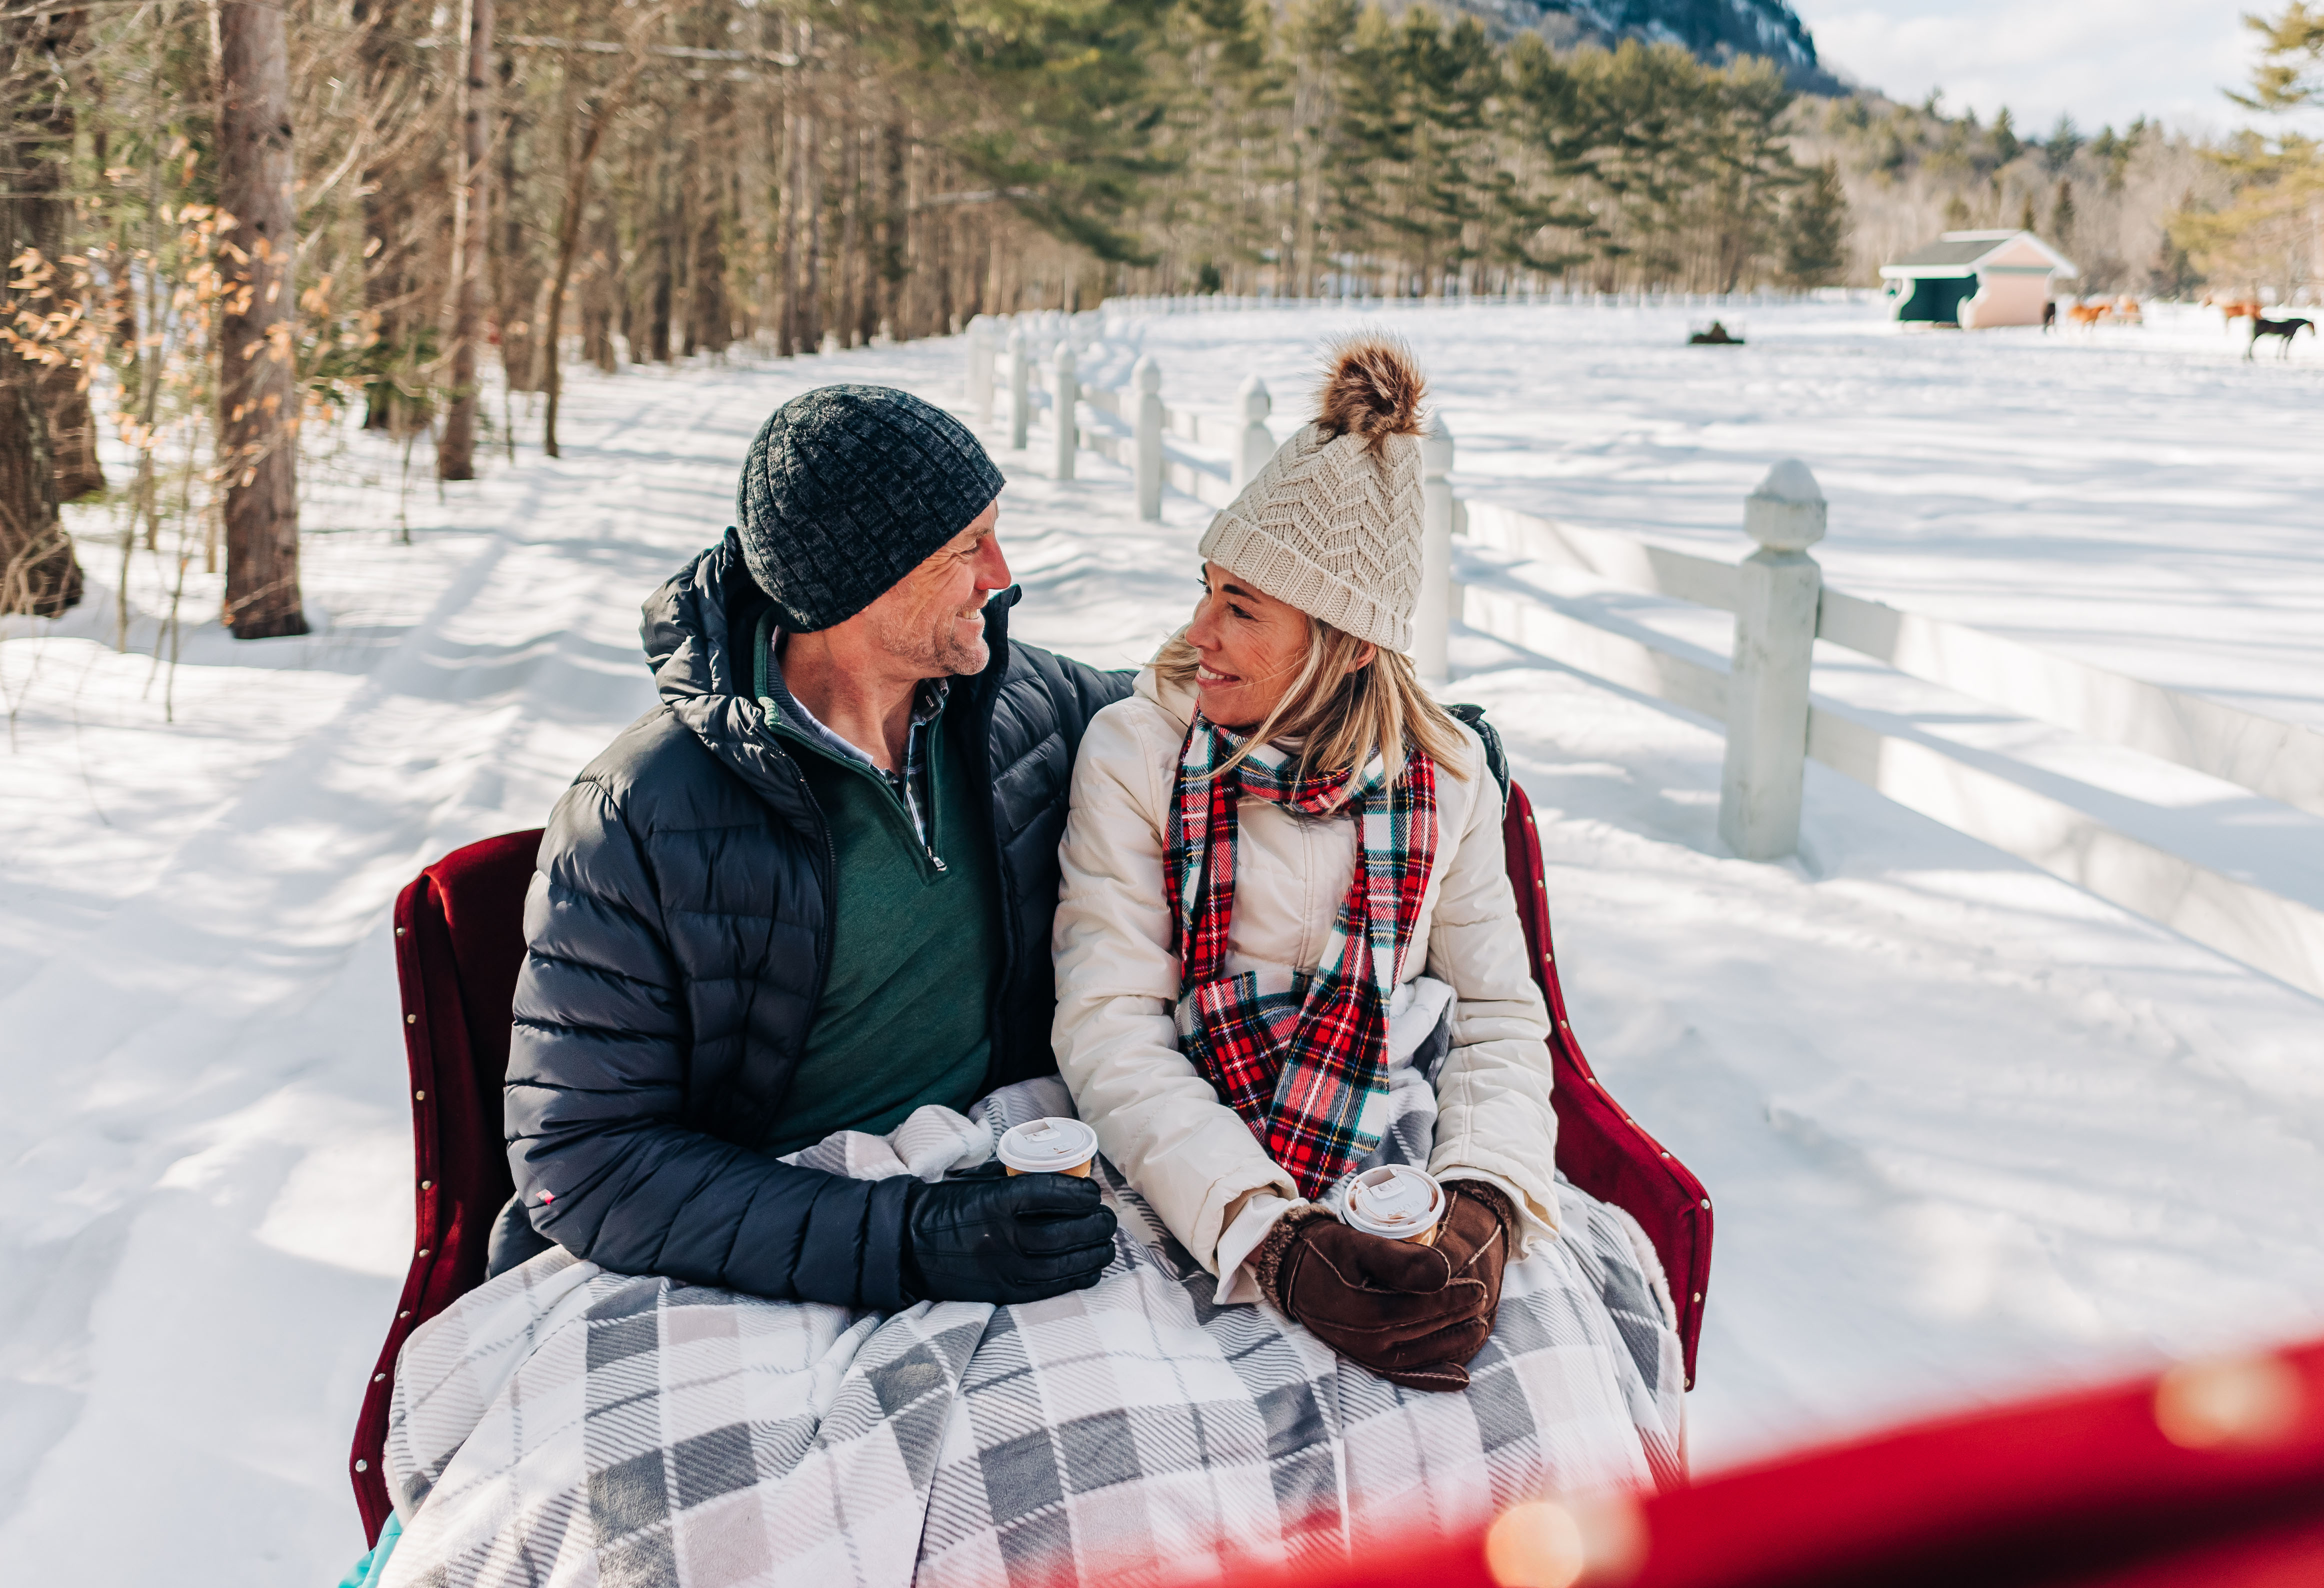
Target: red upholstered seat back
{"type": "Point", "coordinates": [1601, 1147]}
{"type": "Point", "coordinates": [459, 942]}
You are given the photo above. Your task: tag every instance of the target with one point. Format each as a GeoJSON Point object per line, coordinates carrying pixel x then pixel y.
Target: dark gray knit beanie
{"type": "Point", "coordinates": [849, 488]}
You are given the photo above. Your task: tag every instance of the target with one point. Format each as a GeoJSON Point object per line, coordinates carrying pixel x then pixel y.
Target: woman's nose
{"type": "Point", "coordinates": [1200, 633]}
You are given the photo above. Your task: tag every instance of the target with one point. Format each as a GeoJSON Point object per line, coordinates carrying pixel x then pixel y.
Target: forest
{"type": "Point", "coordinates": [227, 221]}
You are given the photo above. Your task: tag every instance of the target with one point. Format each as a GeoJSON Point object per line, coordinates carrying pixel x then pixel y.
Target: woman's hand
{"type": "Point", "coordinates": [1414, 1314]}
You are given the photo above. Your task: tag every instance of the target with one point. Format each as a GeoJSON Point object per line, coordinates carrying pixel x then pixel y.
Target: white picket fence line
{"type": "Point", "coordinates": [2277, 759]}
{"type": "Point", "coordinates": [1361, 302]}
{"type": "Point", "coordinates": [1762, 696]}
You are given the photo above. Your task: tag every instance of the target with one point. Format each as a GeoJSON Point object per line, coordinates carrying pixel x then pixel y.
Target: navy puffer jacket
{"type": "Point", "coordinates": [678, 945]}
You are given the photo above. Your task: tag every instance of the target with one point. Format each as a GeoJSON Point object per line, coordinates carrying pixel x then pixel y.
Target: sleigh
{"type": "Point", "coordinates": [459, 943]}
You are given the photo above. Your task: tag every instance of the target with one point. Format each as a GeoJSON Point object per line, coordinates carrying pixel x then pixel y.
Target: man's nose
{"type": "Point", "coordinates": [991, 566]}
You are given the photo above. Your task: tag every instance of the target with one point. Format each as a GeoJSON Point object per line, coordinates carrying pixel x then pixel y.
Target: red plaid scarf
{"type": "Point", "coordinates": [1314, 1089]}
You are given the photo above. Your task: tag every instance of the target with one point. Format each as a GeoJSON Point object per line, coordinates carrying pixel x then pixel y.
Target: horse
{"type": "Point", "coordinates": [2286, 328]}
{"type": "Point", "coordinates": [2088, 314]}
{"type": "Point", "coordinates": [2233, 308]}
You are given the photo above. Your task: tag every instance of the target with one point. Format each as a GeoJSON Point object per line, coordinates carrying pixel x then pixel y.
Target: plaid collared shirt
{"type": "Point", "coordinates": [910, 782]}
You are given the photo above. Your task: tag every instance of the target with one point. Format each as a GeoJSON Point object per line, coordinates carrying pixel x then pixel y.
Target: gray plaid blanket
{"type": "Point", "coordinates": [562, 1424]}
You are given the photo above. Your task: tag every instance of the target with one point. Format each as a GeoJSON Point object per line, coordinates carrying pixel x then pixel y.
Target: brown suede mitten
{"type": "Point", "coordinates": [1412, 1313]}
{"type": "Point", "coordinates": [1477, 1238]}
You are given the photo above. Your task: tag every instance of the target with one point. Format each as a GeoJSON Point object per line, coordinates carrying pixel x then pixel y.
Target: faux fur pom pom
{"type": "Point", "coordinates": [1371, 389]}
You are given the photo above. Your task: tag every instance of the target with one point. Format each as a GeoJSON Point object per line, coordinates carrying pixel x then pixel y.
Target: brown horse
{"type": "Point", "coordinates": [2286, 328]}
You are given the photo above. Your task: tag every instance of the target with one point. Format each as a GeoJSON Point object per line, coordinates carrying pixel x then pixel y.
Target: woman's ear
{"type": "Point", "coordinates": [1363, 658]}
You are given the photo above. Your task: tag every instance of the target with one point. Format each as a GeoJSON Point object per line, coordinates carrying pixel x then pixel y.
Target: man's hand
{"type": "Point", "coordinates": [987, 1237]}
{"type": "Point", "coordinates": [1412, 1313]}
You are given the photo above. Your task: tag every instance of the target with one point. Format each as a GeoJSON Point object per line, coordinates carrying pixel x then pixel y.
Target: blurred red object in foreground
{"type": "Point", "coordinates": [2210, 1473]}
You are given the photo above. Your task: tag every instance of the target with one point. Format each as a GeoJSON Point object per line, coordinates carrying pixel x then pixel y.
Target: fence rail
{"type": "Point", "coordinates": [2282, 761]}
{"type": "Point", "coordinates": [1763, 696]}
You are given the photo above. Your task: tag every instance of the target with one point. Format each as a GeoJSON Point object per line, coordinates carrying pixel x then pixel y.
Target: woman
{"type": "Point", "coordinates": [1284, 888]}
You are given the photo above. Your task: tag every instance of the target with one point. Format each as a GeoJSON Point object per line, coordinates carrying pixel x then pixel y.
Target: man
{"type": "Point", "coordinates": [811, 891]}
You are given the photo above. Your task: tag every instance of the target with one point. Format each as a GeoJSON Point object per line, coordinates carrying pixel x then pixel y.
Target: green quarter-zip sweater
{"type": "Point", "coordinates": [914, 950]}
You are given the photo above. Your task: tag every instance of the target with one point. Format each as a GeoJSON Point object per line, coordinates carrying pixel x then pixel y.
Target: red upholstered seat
{"type": "Point", "coordinates": [459, 943]}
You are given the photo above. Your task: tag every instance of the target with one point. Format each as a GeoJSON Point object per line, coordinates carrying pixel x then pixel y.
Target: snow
{"type": "Point", "coordinates": [1968, 1128]}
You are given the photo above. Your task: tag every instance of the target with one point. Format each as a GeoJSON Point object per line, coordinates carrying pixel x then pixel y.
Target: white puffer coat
{"type": "Point", "coordinates": [1157, 1118]}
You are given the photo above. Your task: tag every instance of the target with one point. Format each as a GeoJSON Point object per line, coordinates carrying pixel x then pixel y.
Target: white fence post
{"type": "Point", "coordinates": [1065, 406]}
{"type": "Point", "coordinates": [1254, 442]}
{"type": "Point", "coordinates": [980, 369]}
{"type": "Point", "coordinates": [1432, 624]}
{"type": "Point", "coordinates": [1146, 380]}
{"type": "Point", "coordinates": [1020, 406]}
{"type": "Point", "coordinates": [1777, 589]}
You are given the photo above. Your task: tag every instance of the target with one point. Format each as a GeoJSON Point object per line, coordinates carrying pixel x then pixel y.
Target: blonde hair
{"type": "Point", "coordinates": [1338, 715]}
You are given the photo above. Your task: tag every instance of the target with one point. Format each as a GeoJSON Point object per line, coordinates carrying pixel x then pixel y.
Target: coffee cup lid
{"type": "Point", "coordinates": [1397, 1201]}
{"type": "Point", "coordinates": [1039, 1147]}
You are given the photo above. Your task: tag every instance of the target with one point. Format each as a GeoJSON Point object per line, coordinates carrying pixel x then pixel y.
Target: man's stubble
{"type": "Point", "coordinates": [939, 650]}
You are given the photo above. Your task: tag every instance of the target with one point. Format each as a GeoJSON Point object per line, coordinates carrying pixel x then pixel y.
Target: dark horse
{"type": "Point", "coordinates": [2286, 328]}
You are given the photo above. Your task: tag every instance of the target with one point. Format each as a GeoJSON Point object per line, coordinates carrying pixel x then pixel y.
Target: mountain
{"type": "Point", "coordinates": [1713, 29]}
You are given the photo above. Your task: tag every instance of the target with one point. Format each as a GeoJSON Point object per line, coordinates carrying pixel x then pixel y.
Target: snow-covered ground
{"type": "Point", "coordinates": [1968, 1129]}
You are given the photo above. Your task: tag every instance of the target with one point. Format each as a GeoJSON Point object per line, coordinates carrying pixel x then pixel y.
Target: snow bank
{"type": "Point", "coordinates": [1968, 1128]}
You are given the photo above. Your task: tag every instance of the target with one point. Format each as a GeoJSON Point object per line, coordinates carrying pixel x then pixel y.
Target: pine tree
{"type": "Point", "coordinates": [2005, 145]}
{"type": "Point", "coordinates": [2061, 215]}
{"type": "Point", "coordinates": [1815, 230]}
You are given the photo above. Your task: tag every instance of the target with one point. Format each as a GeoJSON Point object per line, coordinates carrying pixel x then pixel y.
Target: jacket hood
{"type": "Point", "coordinates": [696, 632]}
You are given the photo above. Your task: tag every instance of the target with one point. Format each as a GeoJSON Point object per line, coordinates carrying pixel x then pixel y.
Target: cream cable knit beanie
{"type": "Point", "coordinates": [1332, 524]}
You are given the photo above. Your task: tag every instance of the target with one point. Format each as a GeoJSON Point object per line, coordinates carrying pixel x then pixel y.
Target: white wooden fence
{"type": "Point", "coordinates": [1780, 607]}
{"type": "Point", "coordinates": [1357, 301]}
{"type": "Point", "coordinates": [1772, 723]}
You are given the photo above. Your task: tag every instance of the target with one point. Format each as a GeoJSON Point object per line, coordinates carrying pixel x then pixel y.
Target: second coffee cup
{"type": "Point", "coordinates": [1397, 1202]}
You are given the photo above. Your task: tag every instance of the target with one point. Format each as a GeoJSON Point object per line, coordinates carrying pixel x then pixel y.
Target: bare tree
{"type": "Point", "coordinates": [258, 393]}
{"type": "Point", "coordinates": [455, 454]}
{"type": "Point", "coordinates": [603, 107]}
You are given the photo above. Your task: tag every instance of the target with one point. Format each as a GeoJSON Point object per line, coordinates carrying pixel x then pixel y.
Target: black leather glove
{"type": "Point", "coordinates": [988, 1236]}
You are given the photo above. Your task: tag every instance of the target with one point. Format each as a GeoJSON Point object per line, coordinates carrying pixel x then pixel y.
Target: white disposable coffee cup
{"type": "Point", "coordinates": [1397, 1202]}
{"type": "Point", "coordinates": [1048, 1147]}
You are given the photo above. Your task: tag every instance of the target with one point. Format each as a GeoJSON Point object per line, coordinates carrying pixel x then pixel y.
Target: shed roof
{"type": "Point", "coordinates": [1962, 253]}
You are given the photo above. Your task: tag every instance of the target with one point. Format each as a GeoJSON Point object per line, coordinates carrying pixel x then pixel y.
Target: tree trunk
{"type": "Point", "coordinates": [811, 197]}
{"type": "Point", "coordinates": [402, 272]}
{"type": "Point", "coordinates": [63, 386]}
{"type": "Point", "coordinates": [608, 105]}
{"type": "Point", "coordinates": [517, 291]}
{"type": "Point", "coordinates": [39, 574]}
{"type": "Point", "coordinates": [787, 324]}
{"type": "Point", "coordinates": [455, 453]}
{"type": "Point", "coordinates": [258, 396]}
{"type": "Point", "coordinates": [601, 290]}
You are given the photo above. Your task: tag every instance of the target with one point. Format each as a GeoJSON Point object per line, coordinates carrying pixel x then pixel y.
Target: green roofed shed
{"type": "Point", "coordinates": [1975, 278]}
